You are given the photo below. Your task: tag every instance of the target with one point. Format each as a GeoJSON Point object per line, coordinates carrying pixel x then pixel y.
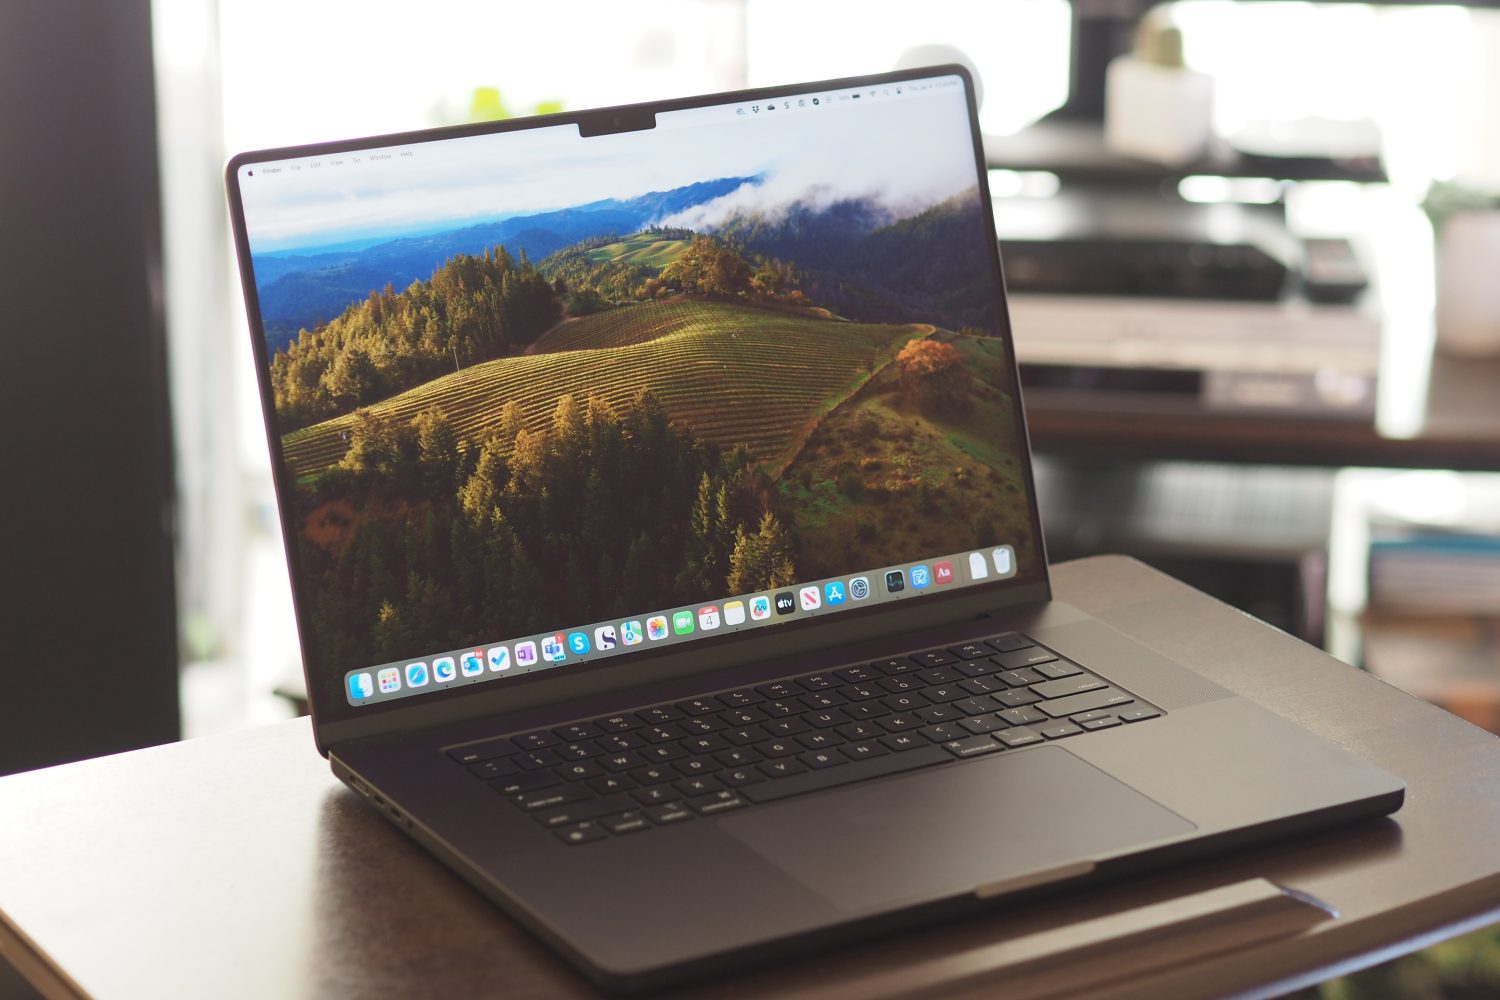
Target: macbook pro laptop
{"type": "Point", "coordinates": [664, 540]}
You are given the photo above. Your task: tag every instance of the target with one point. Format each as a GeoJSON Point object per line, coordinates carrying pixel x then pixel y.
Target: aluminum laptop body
{"type": "Point", "coordinates": [664, 541]}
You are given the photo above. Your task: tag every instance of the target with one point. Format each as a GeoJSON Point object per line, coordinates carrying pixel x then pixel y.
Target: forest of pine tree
{"type": "Point", "coordinates": [471, 310]}
{"type": "Point", "coordinates": [418, 541]}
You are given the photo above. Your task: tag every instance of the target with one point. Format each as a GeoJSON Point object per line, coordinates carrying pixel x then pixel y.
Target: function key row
{"type": "Point", "coordinates": [933, 666]}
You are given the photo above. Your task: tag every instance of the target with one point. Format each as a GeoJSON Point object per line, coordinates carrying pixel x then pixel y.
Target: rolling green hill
{"type": "Point", "coordinates": [645, 249]}
{"type": "Point", "coordinates": [734, 374]}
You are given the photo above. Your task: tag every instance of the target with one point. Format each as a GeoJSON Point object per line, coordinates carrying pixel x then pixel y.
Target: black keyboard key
{"type": "Point", "coordinates": [863, 751]}
{"type": "Point", "coordinates": [944, 693]}
{"type": "Point", "coordinates": [1087, 702]}
{"type": "Point", "coordinates": [789, 726]}
{"type": "Point", "coordinates": [780, 690]}
{"type": "Point", "coordinates": [933, 658]}
{"type": "Point", "coordinates": [557, 795]}
{"type": "Point", "coordinates": [827, 719]}
{"type": "Point", "coordinates": [1026, 657]}
{"type": "Point", "coordinates": [738, 717]}
{"type": "Point", "coordinates": [866, 710]}
{"type": "Point", "coordinates": [738, 757]}
{"type": "Point", "coordinates": [830, 777]}
{"type": "Point", "coordinates": [856, 675]}
{"type": "Point", "coordinates": [610, 784]}
{"type": "Point", "coordinates": [972, 746]}
{"type": "Point", "coordinates": [704, 744]}
{"type": "Point", "coordinates": [939, 675]}
{"type": "Point", "coordinates": [900, 685]}
{"type": "Point", "coordinates": [862, 692]}
{"type": "Point", "coordinates": [982, 685]}
{"type": "Point", "coordinates": [581, 833]}
{"type": "Point", "coordinates": [621, 761]}
{"type": "Point", "coordinates": [749, 734]}
{"type": "Point", "coordinates": [1024, 677]}
{"type": "Point", "coordinates": [900, 722]}
{"type": "Point", "coordinates": [654, 775]}
{"type": "Point", "coordinates": [1024, 716]}
{"type": "Point", "coordinates": [1138, 714]}
{"type": "Point", "coordinates": [939, 713]}
{"type": "Point", "coordinates": [984, 723]}
{"type": "Point", "coordinates": [578, 751]}
{"type": "Point", "coordinates": [1064, 686]}
{"type": "Point", "coordinates": [664, 733]}
{"type": "Point", "coordinates": [740, 776]}
{"type": "Point", "coordinates": [700, 706]}
{"type": "Point", "coordinates": [656, 715]}
{"type": "Point", "coordinates": [1060, 730]}
{"type": "Point", "coordinates": [970, 651]}
{"type": "Point", "coordinates": [895, 665]}
{"type": "Point", "coordinates": [1020, 736]}
{"type": "Point", "coordinates": [943, 732]}
{"type": "Point", "coordinates": [577, 731]}
{"type": "Point", "coordinates": [578, 770]}
{"type": "Point", "coordinates": [860, 731]}
{"type": "Point", "coordinates": [577, 812]}
{"type": "Point", "coordinates": [535, 741]}
{"type": "Point", "coordinates": [1058, 668]}
{"type": "Point", "coordinates": [778, 748]}
{"type": "Point", "coordinates": [1016, 698]}
{"type": "Point", "coordinates": [497, 768]}
{"type": "Point", "coordinates": [817, 739]}
{"type": "Point", "coordinates": [662, 752]}
{"type": "Point", "coordinates": [694, 766]}
{"type": "Point", "coordinates": [626, 822]}
{"type": "Point", "coordinates": [1006, 643]}
{"type": "Point", "coordinates": [488, 750]}
{"type": "Point", "coordinates": [823, 699]}
{"type": "Point", "coordinates": [817, 682]}
{"type": "Point", "coordinates": [978, 668]}
{"type": "Point", "coordinates": [717, 802]}
{"type": "Point", "coordinates": [701, 724]}
{"type": "Point", "coordinates": [655, 795]}
{"type": "Point", "coordinates": [781, 709]}
{"type": "Point", "coordinates": [781, 768]}
{"type": "Point", "coordinates": [973, 706]}
{"type": "Point", "coordinates": [1104, 723]}
{"type": "Point", "coordinates": [617, 723]}
{"type": "Point", "coordinates": [905, 702]}
{"type": "Point", "coordinates": [697, 786]}
{"type": "Point", "coordinates": [536, 759]}
{"type": "Point", "coordinates": [818, 759]}
{"type": "Point", "coordinates": [514, 784]}
{"type": "Point", "coordinates": [620, 742]}
{"type": "Point", "coordinates": [903, 741]}
{"type": "Point", "coordinates": [672, 812]}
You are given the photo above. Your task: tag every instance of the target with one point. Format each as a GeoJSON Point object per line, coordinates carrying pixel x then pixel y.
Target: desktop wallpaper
{"type": "Point", "coordinates": [530, 380]}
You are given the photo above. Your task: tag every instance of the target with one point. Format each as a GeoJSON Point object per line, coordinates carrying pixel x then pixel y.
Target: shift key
{"type": "Point", "coordinates": [1088, 701]}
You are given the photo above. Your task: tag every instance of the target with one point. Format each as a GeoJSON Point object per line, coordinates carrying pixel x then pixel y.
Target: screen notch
{"type": "Point", "coordinates": [615, 121]}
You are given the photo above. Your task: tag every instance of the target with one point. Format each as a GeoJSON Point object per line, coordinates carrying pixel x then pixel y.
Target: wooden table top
{"type": "Point", "coordinates": [237, 866]}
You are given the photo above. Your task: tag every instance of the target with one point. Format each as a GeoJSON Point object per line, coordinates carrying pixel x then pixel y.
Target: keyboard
{"type": "Point", "coordinates": [734, 749]}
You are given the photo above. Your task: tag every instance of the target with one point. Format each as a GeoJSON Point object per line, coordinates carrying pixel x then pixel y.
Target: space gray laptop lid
{"type": "Point", "coordinates": [575, 400]}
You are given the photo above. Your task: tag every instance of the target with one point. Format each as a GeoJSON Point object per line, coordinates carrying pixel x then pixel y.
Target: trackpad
{"type": "Point", "coordinates": [950, 829]}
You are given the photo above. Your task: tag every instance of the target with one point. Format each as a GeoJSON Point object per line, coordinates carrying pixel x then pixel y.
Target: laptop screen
{"type": "Point", "coordinates": [546, 400]}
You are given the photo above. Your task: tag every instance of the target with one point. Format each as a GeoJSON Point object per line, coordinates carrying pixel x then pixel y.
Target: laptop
{"type": "Point", "coordinates": [664, 540]}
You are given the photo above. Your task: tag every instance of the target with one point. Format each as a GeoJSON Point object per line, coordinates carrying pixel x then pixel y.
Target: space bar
{"type": "Point", "coordinates": [769, 791]}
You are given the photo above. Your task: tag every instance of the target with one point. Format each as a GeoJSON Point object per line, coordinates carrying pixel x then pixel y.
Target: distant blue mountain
{"type": "Point", "coordinates": [298, 291]}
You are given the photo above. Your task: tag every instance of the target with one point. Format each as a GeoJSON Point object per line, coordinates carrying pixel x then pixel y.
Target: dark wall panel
{"type": "Point", "coordinates": [88, 660]}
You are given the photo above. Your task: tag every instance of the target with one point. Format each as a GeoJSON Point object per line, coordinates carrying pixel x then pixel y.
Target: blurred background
{"type": "Point", "coordinates": [1250, 246]}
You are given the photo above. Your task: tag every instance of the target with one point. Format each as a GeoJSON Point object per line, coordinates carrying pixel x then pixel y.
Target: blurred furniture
{"type": "Point", "coordinates": [238, 866]}
{"type": "Point", "coordinates": [86, 522]}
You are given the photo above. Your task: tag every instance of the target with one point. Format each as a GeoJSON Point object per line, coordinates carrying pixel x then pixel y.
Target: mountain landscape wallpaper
{"type": "Point", "coordinates": [624, 388]}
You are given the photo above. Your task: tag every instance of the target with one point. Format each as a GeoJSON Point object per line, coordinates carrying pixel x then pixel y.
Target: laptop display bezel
{"type": "Point", "coordinates": [335, 720]}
